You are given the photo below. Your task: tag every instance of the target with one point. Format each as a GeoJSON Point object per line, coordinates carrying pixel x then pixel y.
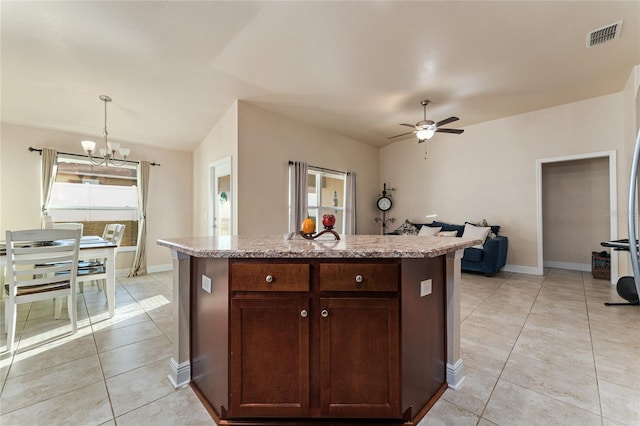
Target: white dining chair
{"type": "Point", "coordinates": [55, 252]}
{"type": "Point", "coordinates": [112, 232]}
{"type": "Point", "coordinates": [69, 225]}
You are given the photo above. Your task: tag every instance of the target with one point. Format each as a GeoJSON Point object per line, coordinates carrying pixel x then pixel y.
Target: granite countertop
{"type": "Point", "coordinates": [349, 246]}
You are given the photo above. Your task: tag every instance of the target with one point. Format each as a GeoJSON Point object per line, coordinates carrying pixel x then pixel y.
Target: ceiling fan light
{"type": "Point", "coordinates": [424, 134]}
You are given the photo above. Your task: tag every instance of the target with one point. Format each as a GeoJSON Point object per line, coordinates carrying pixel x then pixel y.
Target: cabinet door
{"type": "Point", "coordinates": [269, 359]}
{"type": "Point", "coordinates": [360, 357]}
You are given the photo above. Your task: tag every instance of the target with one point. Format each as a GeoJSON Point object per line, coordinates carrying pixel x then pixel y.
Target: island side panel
{"type": "Point", "coordinates": [455, 366]}
{"type": "Point", "coordinates": [210, 331]}
{"type": "Point", "coordinates": [180, 363]}
{"type": "Point", "coordinates": [423, 333]}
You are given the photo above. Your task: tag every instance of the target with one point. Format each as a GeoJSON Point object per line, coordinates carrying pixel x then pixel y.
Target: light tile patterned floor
{"type": "Point", "coordinates": [536, 350]}
{"type": "Point", "coordinates": [113, 371]}
{"type": "Point", "coordinates": [544, 351]}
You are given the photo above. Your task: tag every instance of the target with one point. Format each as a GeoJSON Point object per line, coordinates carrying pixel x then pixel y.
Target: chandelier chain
{"type": "Point", "coordinates": [109, 151]}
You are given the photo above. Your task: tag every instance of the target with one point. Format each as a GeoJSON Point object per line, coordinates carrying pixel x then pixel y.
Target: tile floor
{"type": "Point", "coordinates": [536, 350]}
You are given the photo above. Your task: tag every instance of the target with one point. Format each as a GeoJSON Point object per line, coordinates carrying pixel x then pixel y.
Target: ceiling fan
{"type": "Point", "coordinates": [425, 129]}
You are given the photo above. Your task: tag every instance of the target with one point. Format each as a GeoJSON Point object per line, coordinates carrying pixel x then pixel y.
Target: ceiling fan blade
{"type": "Point", "coordinates": [446, 121]}
{"type": "Point", "coordinates": [456, 131]}
{"type": "Point", "coordinates": [408, 125]}
{"type": "Point", "coordinates": [403, 134]}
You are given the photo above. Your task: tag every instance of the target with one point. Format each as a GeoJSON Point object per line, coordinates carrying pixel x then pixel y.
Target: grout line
{"type": "Point", "coordinates": [565, 402]}
{"type": "Point", "coordinates": [149, 402]}
{"type": "Point", "coordinates": [484, 409]}
{"type": "Point", "coordinates": [26, 422]}
{"type": "Point", "coordinates": [593, 352]}
{"type": "Point", "coordinates": [4, 381]}
{"type": "Point", "coordinates": [104, 379]}
{"type": "Point", "coordinates": [575, 372]}
{"type": "Point", "coordinates": [115, 419]}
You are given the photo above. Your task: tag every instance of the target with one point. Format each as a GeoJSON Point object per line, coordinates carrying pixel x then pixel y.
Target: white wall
{"type": "Point", "coordinates": [20, 175]}
{"type": "Point", "coordinates": [267, 142]}
{"type": "Point", "coordinates": [631, 119]}
{"type": "Point", "coordinates": [221, 142]}
{"type": "Point", "coordinates": [489, 172]}
{"type": "Point", "coordinates": [169, 204]}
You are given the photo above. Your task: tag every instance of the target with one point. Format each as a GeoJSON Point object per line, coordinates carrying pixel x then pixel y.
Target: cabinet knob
{"type": "Point", "coordinates": [304, 313]}
{"type": "Point", "coordinates": [359, 278]}
{"type": "Point", "coordinates": [324, 313]}
{"type": "Point", "coordinates": [269, 279]}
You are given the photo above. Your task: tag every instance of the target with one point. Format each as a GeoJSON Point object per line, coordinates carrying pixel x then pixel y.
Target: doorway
{"type": "Point", "coordinates": [220, 198]}
{"type": "Point", "coordinates": [571, 163]}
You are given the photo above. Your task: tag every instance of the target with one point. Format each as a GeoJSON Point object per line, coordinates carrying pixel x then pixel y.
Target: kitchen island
{"type": "Point", "coordinates": [292, 332]}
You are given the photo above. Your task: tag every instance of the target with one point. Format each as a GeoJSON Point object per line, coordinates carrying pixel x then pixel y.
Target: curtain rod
{"type": "Point", "coordinates": [31, 149]}
{"type": "Point", "coordinates": [322, 169]}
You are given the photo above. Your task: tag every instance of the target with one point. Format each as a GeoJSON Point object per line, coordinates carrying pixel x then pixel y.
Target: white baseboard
{"type": "Point", "coordinates": [160, 268]}
{"type": "Point", "coordinates": [150, 269]}
{"type": "Point", "coordinates": [179, 374]}
{"type": "Point", "coordinates": [584, 267]}
{"type": "Point", "coordinates": [455, 375]}
{"type": "Point", "coordinates": [530, 270]}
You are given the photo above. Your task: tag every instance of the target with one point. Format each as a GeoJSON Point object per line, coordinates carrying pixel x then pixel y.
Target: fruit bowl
{"type": "Point", "coordinates": [314, 235]}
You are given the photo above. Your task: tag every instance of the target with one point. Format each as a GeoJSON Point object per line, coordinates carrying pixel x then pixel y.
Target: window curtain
{"type": "Point", "coordinates": [49, 169]}
{"type": "Point", "coordinates": [350, 204]}
{"type": "Point", "coordinates": [297, 194]}
{"type": "Point", "coordinates": [140, 261]}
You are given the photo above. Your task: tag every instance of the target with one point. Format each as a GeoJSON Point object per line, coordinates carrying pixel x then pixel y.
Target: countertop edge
{"type": "Point", "coordinates": [209, 247]}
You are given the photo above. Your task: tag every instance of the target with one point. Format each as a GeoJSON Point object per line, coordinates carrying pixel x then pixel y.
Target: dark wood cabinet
{"type": "Point", "coordinates": [269, 363]}
{"type": "Point", "coordinates": [318, 341]}
{"type": "Point", "coordinates": [269, 339]}
{"type": "Point", "coordinates": [360, 357]}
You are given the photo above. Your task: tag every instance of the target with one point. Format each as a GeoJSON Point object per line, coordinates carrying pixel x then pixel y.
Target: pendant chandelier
{"type": "Point", "coordinates": [108, 153]}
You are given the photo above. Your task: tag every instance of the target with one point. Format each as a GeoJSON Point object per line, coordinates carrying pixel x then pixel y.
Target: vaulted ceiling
{"type": "Point", "coordinates": [358, 68]}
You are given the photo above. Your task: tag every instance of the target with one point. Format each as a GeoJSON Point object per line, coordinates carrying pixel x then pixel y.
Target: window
{"type": "Point", "coordinates": [95, 196]}
{"type": "Point", "coordinates": [325, 195]}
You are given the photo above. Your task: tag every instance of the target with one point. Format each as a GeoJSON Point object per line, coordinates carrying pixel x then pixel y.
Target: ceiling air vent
{"type": "Point", "coordinates": [604, 34]}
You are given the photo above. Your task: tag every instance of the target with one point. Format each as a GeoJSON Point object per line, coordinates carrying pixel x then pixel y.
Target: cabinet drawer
{"type": "Point", "coordinates": [269, 277]}
{"type": "Point", "coordinates": [358, 277]}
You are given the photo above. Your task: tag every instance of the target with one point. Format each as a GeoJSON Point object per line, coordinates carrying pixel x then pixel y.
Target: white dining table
{"type": "Point", "coordinates": [93, 247]}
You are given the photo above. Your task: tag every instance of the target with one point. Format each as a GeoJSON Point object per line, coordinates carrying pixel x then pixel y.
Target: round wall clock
{"type": "Point", "coordinates": [384, 203]}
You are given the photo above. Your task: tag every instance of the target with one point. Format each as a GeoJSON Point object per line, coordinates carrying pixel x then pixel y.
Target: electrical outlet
{"type": "Point", "coordinates": [206, 284]}
{"type": "Point", "coordinates": [425, 287]}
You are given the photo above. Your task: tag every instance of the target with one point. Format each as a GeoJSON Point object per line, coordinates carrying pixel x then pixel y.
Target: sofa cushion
{"type": "Point", "coordinates": [449, 227]}
{"type": "Point", "coordinates": [494, 228]}
{"type": "Point", "coordinates": [479, 232]}
{"type": "Point", "coordinates": [447, 234]}
{"type": "Point", "coordinates": [407, 228]}
{"type": "Point", "coordinates": [428, 231]}
{"type": "Point", "coordinates": [473, 254]}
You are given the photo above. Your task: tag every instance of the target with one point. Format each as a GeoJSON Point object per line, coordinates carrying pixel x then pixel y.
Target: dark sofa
{"type": "Point", "coordinates": [488, 260]}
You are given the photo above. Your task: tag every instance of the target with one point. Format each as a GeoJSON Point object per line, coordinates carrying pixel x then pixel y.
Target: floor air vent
{"type": "Point", "coordinates": [604, 34]}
